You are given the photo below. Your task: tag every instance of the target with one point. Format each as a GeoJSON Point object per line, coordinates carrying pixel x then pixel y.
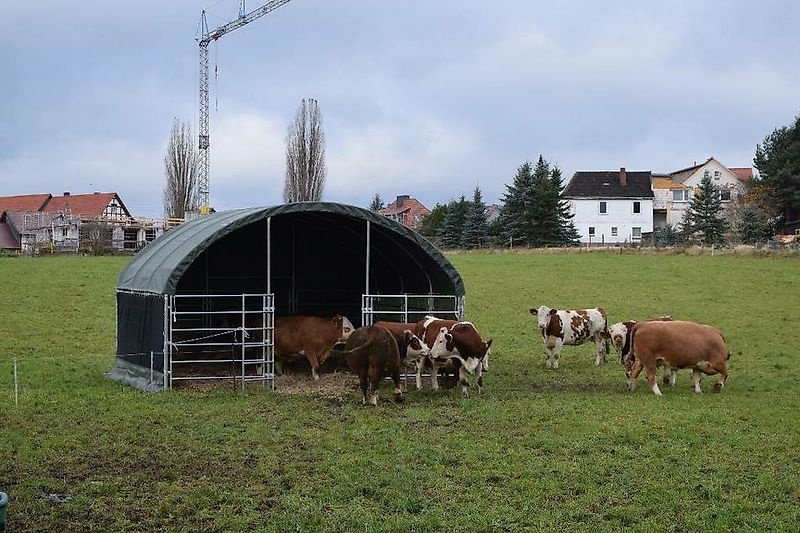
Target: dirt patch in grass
{"type": "Point", "coordinates": [333, 385]}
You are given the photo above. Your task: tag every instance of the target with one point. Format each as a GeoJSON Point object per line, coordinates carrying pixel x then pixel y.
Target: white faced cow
{"type": "Point", "coordinates": [460, 348]}
{"type": "Point", "coordinates": [572, 328]}
{"type": "Point", "coordinates": [620, 338]}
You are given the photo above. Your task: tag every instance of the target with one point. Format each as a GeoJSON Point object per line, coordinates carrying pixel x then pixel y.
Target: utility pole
{"type": "Point", "coordinates": [206, 37]}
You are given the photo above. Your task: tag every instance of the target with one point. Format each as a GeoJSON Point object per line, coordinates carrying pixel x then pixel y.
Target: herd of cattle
{"type": "Point", "coordinates": [384, 348]}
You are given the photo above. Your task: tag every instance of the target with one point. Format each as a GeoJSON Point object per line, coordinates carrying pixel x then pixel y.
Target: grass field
{"type": "Point", "coordinates": [570, 449]}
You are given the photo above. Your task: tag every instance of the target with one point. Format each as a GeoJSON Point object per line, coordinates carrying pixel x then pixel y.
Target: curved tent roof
{"type": "Point", "coordinates": [159, 267]}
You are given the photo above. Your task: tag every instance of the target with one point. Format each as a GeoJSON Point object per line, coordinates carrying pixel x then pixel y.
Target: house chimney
{"type": "Point", "coordinates": [66, 193]}
{"type": "Point", "coordinates": [401, 198]}
{"type": "Point", "coordinates": [623, 176]}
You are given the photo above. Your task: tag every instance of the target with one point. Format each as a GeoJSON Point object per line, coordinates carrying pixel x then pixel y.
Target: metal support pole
{"type": "Point", "coordinates": [167, 359]}
{"type": "Point", "coordinates": [366, 268]}
{"type": "Point", "coordinates": [151, 366]}
{"type": "Point", "coordinates": [244, 337]}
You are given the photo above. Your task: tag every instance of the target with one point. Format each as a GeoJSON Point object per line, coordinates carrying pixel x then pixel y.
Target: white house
{"type": "Point", "coordinates": [673, 191]}
{"type": "Point", "coordinates": [611, 206]}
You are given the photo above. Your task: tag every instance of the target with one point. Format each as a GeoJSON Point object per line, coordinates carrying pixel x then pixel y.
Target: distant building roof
{"type": "Point", "coordinates": [406, 210]}
{"type": "Point", "coordinates": [743, 173]}
{"type": "Point", "coordinates": [24, 202]}
{"type": "Point", "coordinates": [86, 205]}
{"type": "Point", "coordinates": [7, 239]}
{"type": "Point", "coordinates": [609, 184]}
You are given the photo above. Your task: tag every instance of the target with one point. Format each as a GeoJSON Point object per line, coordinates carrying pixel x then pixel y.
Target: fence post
{"type": "Point", "coordinates": [16, 385]}
{"type": "Point", "coordinates": [151, 366]}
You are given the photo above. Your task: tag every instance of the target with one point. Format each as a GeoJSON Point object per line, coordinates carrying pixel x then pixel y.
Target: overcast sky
{"type": "Point", "coordinates": [420, 97]}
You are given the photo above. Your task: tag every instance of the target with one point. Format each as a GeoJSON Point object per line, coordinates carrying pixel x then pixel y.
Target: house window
{"type": "Point", "coordinates": [64, 232]}
{"type": "Point", "coordinates": [636, 232]}
{"type": "Point", "coordinates": [724, 194]}
{"type": "Point", "coordinates": [591, 231]}
{"type": "Point", "coordinates": [680, 195]}
{"type": "Point", "coordinates": [603, 208]}
{"type": "Point", "coordinates": [637, 208]}
{"type": "Point", "coordinates": [717, 174]}
{"type": "Point", "coordinates": [706, 174]}
{"type": "Point", "coordinates": [613, 231]}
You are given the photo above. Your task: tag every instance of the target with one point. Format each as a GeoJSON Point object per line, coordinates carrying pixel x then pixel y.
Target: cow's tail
{"type": "Point", "coordinates": [343, 352]}
{"type": "Point", "coordinates": [606, 334]}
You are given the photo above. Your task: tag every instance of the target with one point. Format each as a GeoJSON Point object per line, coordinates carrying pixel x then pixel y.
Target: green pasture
{"type": "Point", "coordinates": [569, 449]}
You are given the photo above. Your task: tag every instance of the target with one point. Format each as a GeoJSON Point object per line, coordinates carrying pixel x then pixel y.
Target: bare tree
{"type": "Point", "coordinates": [305, 155]}
{"type": "Point", "coordinates": [180, 169]}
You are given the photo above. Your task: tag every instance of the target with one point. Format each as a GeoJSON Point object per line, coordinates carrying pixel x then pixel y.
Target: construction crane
{"type": "Point", "coordinates": [205, 38]}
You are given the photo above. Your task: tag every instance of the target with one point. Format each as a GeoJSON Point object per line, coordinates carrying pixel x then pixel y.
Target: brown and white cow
{"type": "Point", "coordinates": [455, 345]}
{"type": "Point", "coordinates": [413, 350]}
{"type": "Point", "coordinates": [681, 345]}
{"type": "Point", "coordinates": [309, 337]}
{"type": "Point", "coordinates": [560, 327]}
{"type": "Point", "coordinates": [372, 352]}
{"type": "Point", "coordinates": [620, 339]}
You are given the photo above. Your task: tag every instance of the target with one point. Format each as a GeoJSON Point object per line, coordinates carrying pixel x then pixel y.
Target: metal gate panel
{"type": "Point", "coordinates": [233, 334]}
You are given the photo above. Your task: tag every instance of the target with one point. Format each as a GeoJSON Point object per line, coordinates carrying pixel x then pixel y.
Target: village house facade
{"type": "Point", "coordinates": [42, 222]}
{"type": "Point", "coordinates": [674, 191]}
{"type": "Point", "coordinates": [611, 207]}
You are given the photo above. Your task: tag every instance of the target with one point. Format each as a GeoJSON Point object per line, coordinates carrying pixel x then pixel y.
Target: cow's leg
{"type": "Point", "coordinates": [667, 379]}
{"type": "Point", "coordinates": [434, 375]}
{"type": "Point", "coordinates": [652, 378]}
{"type": "Point", "coordinates": [363, 382]}
{"type": "Point", "coordinates": [313, 360]}
{"type": "Point", "coordinates": [463, 381]}
{"type": "Point", "coordinates": [398, 392]}
{"type": "Point", "coordinates": [548, 355]}
{"type": "Point", "coordinates": [479, 381]}
{"type": "Point", "coordinates": [557, 352]}
{"type": "Point", "coordinates": [419, 364]}
{"type": "Point", "coordinates": [375, 381]}
{"type": "Point", "coordinates": [722, 369]}
{"type": "Point", "coordinates": [696, 379]}
{"type": "Point", "coordinates": [600, 349]}
{"type": "Point", "coordinates": [636, 369]}
{"type": "Point", "coordinates": [673, 376]}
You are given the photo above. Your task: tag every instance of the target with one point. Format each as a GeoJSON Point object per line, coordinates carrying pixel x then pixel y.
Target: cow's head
{"type": "Point", "coordinates": [415, 347]}
{"type": "Point", "coordinates": [543, 316]}
{"type": "Point", "coordinates": [345, 325]}
{"type": "Point", "coordinates": [443, 345]}
{"type": "Point", "coordinates": [620, 338]}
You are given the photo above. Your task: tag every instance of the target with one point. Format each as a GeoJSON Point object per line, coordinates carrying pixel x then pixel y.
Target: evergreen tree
{"type": "Point", "coordinates": [433, 224]}
{"type": "Point", "coordinates": [512, 212]}
{"type": "Point", "coordinates": [752, 225]}
{"type": "Point", "coordinates": [475, 224]}
{"type": "Point", "coordinates": [665, 236]}
{"type": "Point", "coordinates": [705, 218]}
{"type": "Point", "coordinates": [454, 222]}
{"type": "Point", "coordinates": [778, 162]}
{"type": "Point", "coordinates": [377, 203]}
{"type": "Point", "coordinates": [567, 233]}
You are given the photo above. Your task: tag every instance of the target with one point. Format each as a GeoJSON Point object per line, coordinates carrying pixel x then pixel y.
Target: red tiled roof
{"type": "Point", "coordinates": [410, 204]}
{"type": "Point", "coordinates": [87, 205]}
{"type": "Point", "coordinates": [743, 173]}
{"type": "Point", "coordinates": [7, 239]}
{"type": "Point", "coordinates": [24, 202]}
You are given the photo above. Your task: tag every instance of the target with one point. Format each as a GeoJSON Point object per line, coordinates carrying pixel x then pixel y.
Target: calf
{"type": "Point", "coordinates": [680, 345]}
{"type": "Point", "coordinates": [371, 352]}
{"type": "Point", "coordinates": [310, 337]}
{"type": "Point", "coordinates": [572, 328]}
{"type": "Point", "coordinates": [413, 350]}
{"type": "Point", "coordinates": [456, 345]}
{"type": "Point", "coordinates": [620, 334]}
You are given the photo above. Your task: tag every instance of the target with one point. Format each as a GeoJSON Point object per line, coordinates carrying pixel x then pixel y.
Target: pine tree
{"type": "Point", "coordinates": [377, 203]}
{"type": "Point", "coordinates": [454, 222]}
{"type": "Point", "coordinates": [433, 224]}
{"type": "Point", "coordinates": [752, 226]}
{"type": "Point", "coordinates": [705, 218]}
{"type": "Point", "coordinates": [512, 212]}
{"type": "Point", "coordinates": [543, 204]}
{"type": "Point", "coordinates": [567, 233]}
{"type": "Point", "coordinates": [475, 224]}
